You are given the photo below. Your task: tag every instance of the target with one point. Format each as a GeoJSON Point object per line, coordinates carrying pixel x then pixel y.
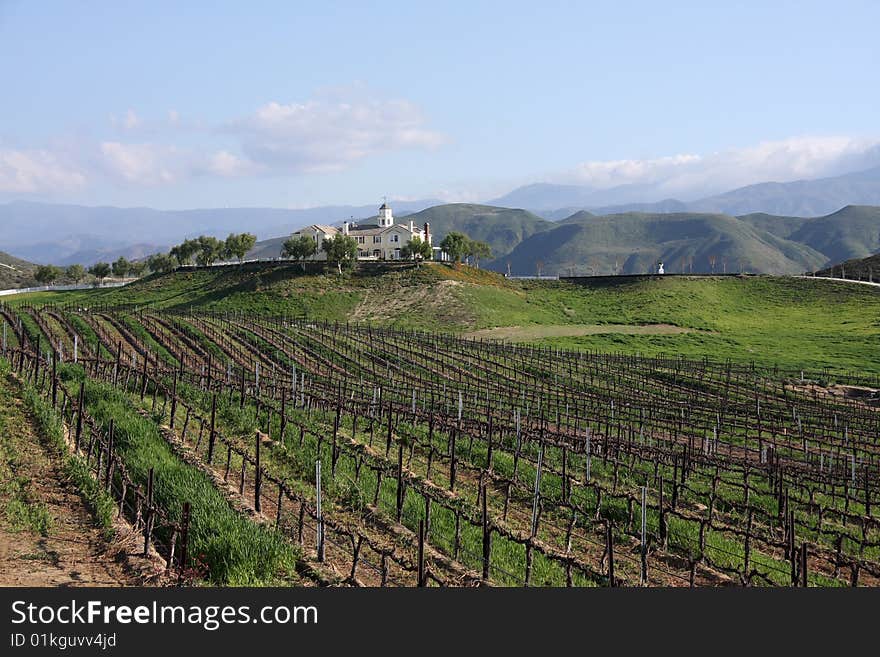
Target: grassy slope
{"type": "Point", "coordinates": [637, 241]}
{"type": "Point", "coordinates": [791, 322]}
{"type": "Point", "coordinates": [853, 232]}
{"type": "Point", "coordinates": [21, 276]}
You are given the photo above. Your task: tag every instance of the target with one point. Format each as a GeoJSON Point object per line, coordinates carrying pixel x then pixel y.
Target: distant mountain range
{"type": "Point", "coordinates": [801, 198]}
{"type": "Point", "coordinates": [67, 234]}
{"type": "Point", "coordinates": [769, 227]}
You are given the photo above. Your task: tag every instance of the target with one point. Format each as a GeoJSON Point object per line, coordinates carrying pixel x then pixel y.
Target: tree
{"type": "Point", "coordinates": [539, 267]}
{"type": "Point", "coordinates": [712, 260]}
{"type": "Point", "coordinates": [478, 250]}
{"type": "Point", "coordinates": [210, 249]}
{"type": "Point", "coordinates": [299, 248]}
{"type": "Point", "coordinates": [100, 270]}
{"type": "Point", "coordinates": [121, 267]}
{"type": "Point", "coordinates": [184, 252]}
{"type": "Point", "coordinates": [46, 274]}
{"type": "Point", "coordinates": [75, 273]}
{"type": "Point", "coordinates": [416, 249]}
{"type": "Point", "coordinates": [342, 250]}
{"type": "Point", "coordinates": [237, 245]}
{"type": "Point", "coordinates": [455, 245]}
{"type": "Point", "coordinates": [137, 269]}
{"type": "Point", "coordinates": [161, 263]}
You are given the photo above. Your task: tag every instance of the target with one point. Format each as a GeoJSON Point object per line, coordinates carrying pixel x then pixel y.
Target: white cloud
{"type": "Point", "coordinates": [228, 165]}
{"type": "Point", "coordinates": [323, 135]}
{"type": "Point", "coordinates": [146, 164]}
{"type": "Point", "coordinates": [34, 171]}
{"type": "Point", "coordinates": [689, 175]}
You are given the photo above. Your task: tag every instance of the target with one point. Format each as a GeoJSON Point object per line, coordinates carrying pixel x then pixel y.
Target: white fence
{"type": "Point", "coordinates": [62, 288]}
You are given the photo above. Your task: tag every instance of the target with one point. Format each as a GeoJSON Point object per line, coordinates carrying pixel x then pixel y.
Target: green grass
{"type": "Point", "coordinates": [236, 551]}
{"type": "Point", "coordinates": [22, 511]}
{"type": "Point", "coordinates": [793, 323]}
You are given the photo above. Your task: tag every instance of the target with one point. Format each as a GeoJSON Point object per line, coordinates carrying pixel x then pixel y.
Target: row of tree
{"type": "Point", "coordinates": [342, 250]}
{"type": "Point", "coordinates": [204, 249]}
{"type": "Point", "coordinates": [48, 274]}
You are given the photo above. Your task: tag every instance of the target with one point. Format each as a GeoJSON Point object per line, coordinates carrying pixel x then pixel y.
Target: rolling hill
{"type": "Point", "coordinates": [634, 242]}
{"type": "Point", "coordinates": [15, 272]}
{"type": "Point", "coordinates": [787, 321]}
{"type": "Point", "coordinates": [861, 269]}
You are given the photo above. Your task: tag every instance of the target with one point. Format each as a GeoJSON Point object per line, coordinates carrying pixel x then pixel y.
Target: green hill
{"type": "Point", "coordinates": [862, 269]}
{"type": "Point", "coordinates": [853, 232]}
{"type": "Point", "coordinates": [787, 321]}
{"type": "Point", "coordinates": [15, 272]}
{"type": "Point", "coordinates": [633, 243]}
{"type": "Point", "coordinates": [501, 228]}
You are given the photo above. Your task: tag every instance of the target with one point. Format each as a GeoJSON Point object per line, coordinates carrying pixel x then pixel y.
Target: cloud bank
{"type": "Point", "coordinates": [316, 136]}
{"type": "Point", "coordinates": [690, 175]}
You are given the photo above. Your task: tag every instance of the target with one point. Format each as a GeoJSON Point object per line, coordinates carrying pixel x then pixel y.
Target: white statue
{"type": "Point", "coordinates": [660, 269]}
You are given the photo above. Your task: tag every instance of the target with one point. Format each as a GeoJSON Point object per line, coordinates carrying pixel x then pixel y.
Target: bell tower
{"type": "Point", "coordinates": [386, 219]}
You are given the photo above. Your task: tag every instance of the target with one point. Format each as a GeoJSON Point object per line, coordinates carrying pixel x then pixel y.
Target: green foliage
{"type": "Point", "coordinates": [477, 250]}
{"type": "Point", "coordinates": [161, 263]}
{"type": "Point", "coordinates": [185, 251]}
{"type": "Point", "coordinates": [455, 245]}
{"type": "Point", "coordinates": [100, 270]}
{"type": "Point", "coordinates": [75, 273]}
{"type": "Point", "coordinates": [341, 250]}
{"type": "Point", "coordinates": [137, 269]}
{"type": "Point", "coordinates": [237, 551]}
{"type": "Point", "coordinates": [121, 267]}
{"type": "Point", "coordinates": [416, 249]}
{"type": "Point", "coordinates": [46, 274]}
{"type": "Point", "coordinates": [237, 245]}
{"type": "Point", "coordinates": [299, 248]}
{"type": "Point", "coordinates": [210, 250]}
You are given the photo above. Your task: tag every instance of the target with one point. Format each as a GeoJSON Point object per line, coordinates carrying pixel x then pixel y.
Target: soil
{"type": "Point", "coordinates": [73, 549]}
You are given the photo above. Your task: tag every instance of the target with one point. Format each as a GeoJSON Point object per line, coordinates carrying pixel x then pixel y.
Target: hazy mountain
{"type": "Point", "coordinates": [543, 197]}
{"type": "Point", "coordinates": [45, 232]}
{"type": "Point", "coordinates": [636, 242]}
{"type": "Point", "coordinates": [801, 198]}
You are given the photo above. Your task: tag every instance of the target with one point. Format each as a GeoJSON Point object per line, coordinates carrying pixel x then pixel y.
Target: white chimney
{"type": "Point", "coordinates": [411, 226]}
{"type": "Point", "coordinates": [345, 228]}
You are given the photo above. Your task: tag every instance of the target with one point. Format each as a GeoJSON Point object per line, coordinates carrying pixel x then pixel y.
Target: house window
{"type": "Point", "coordinates": [360, 239]}
{"type": "Point", "coordinates": [395, 238]}
{"type": "Point", "coordinates": [377, 239]}
{"type": "Point", "coordinates": [377, 253]}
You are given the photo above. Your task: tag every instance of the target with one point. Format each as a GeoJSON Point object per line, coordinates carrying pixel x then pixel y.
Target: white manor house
{"type": "Point", "coordinates": [377, 239]}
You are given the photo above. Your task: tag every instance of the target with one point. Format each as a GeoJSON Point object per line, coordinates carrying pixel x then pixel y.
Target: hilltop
{"type": "Point", "coordinates": [501, 228]}
{"type": "Point", "coordinates": [786, 321]}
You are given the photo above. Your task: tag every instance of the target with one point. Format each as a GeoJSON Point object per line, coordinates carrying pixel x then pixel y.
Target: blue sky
{"type": "Point", "coordinates": [294, 104]}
